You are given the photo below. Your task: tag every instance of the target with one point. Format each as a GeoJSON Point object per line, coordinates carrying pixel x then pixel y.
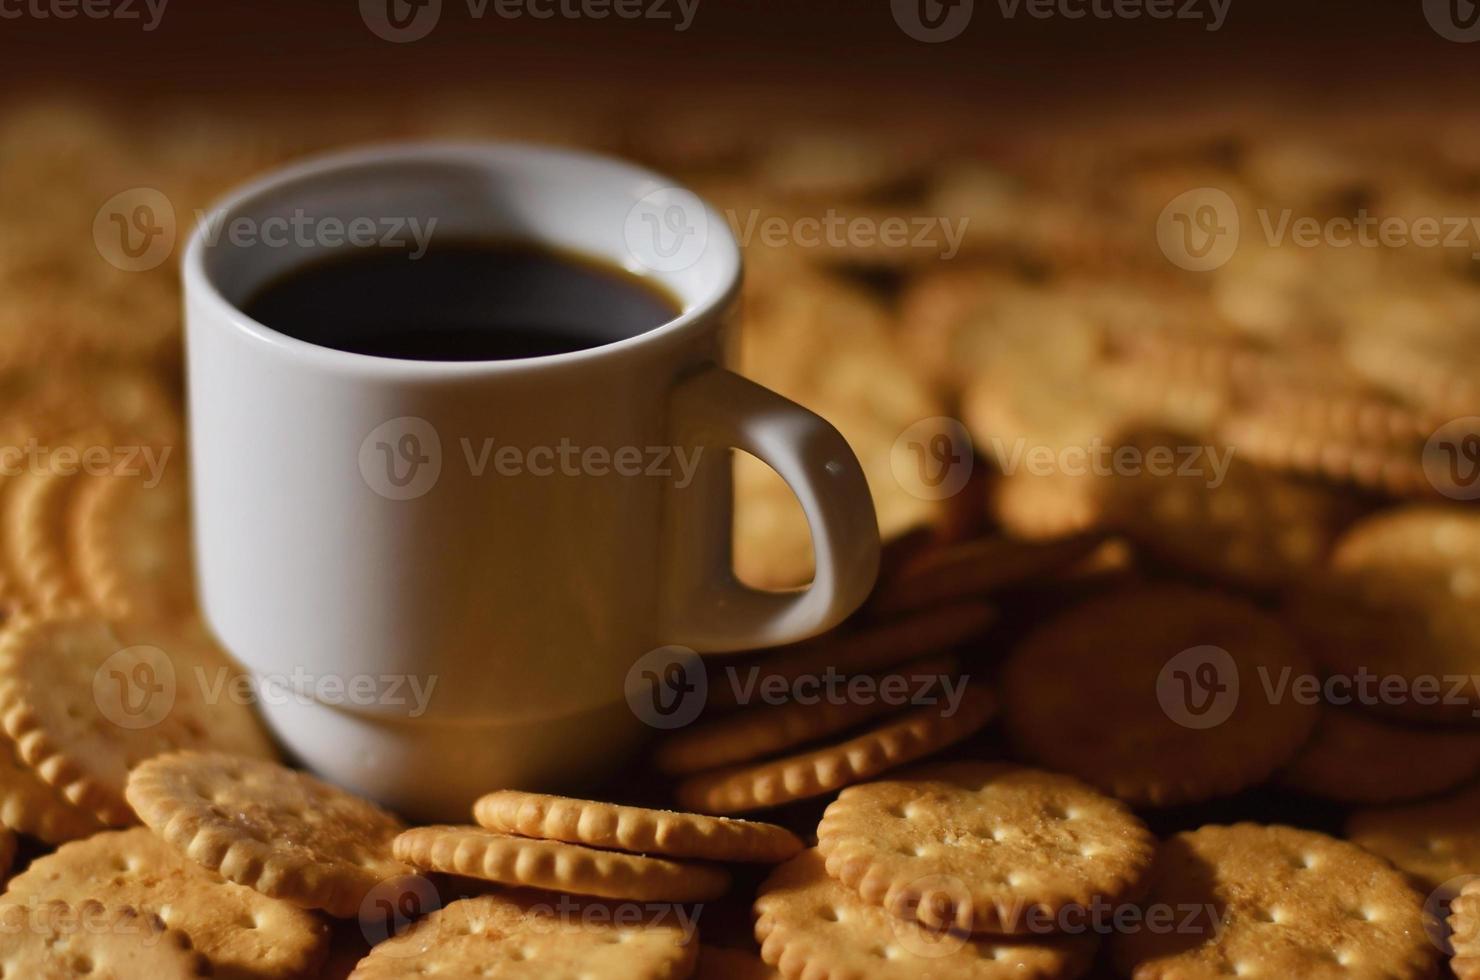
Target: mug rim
{"type": "Point", "coordinates": [199, 285]}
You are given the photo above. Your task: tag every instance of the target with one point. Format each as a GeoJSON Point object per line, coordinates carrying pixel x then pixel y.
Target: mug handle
{"type": "Point", "coordinates": [707, 607]}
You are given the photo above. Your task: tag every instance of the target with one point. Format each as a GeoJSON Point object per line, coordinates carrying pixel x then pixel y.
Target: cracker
{"type": "Point", "coordinates": [131, 544]}
{"type": "Point", "coordinates": [86, 699]}
{"type": "Point", "coordinates": [1464, 932]}
{"type": "Point", "coordinates": [860, 649]}
{"type": "Point", "coordinates": [719, 963]}
{"type": "Point", "coordinates": [635, 830]}
{"type": "Point", "coordinates": [29, 805]}
{"type": "Point", "coordinates": [1402, 600]}
{"type": "Point", "coordinates": [245, 935]}
{"type": "Point", "coordinates": [974, 568]}
{"type": "Point", "coordinates": [905, 738]}
{"type": "Point", "coordinates": [57, 941]}
{"type": "Point", "coordinates": [525, 934]}
{"type": "Point", "coordinates": [277, 830]}
{"type": "Point", "coordinates": [1030, 851]}
{"type": "Point", "coordinates": [1212, 514]}
{"type": "Point", "coordinates": [1354, 758]}
{"type": "Point", "coordinates": [1287, 902]}
{"type": "Point", "coordinates": [558, 866]}
{"type": "Point", "coordinates": [1274, 439]}
{"type": "Point", "coordinates": [35, 523]}
{"type": "Point", "coordinates": [811, 925]}
{"type": "Point", "coordinates": [1432, 841]}
{"type": "Point", "coordinates": [755, 733]}
{"type": "Point", "coordinates": [1121, 692]}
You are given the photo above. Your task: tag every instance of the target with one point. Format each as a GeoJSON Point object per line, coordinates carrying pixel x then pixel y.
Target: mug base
{"type": "Point", "coordinates": [433, 771]}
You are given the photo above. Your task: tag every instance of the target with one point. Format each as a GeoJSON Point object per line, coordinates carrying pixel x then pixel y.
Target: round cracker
{"type": "Point", "coordinates": [1433, 841]}
{"type": "Point", "coordinates": [755, 733]}
{"type": "Point", "coordinates": [633, 829]}
{"type": "Point", "coordinates": [1402, 600]}
{"type": "Point", "coordinates": [277, 830]}
{"type": "Point", "coordinates": [557, 866]}
{"type": "Point", "coordinates": [1095, 693]}
{"type": "Point", "coordinates": [525, 934]}
{"type": "Point", "coordinates": [1026, 850]}
{"type": "Point", "coordinates": [57, 941]}
{"type": "Point", "coordinates": [1287, 902]}
{"type": "Point", "coordinates": [1214, 515]}
{"type": "Point", "coordinates": [1353, 758]}
{"type": "Point", "coordinates": [861, 649]}
{"type": "Point", "coordinates": [811, 925]}
{"type": "Point", "coordinates": [131, 544]}
{"type": "Point", "coordinates": [905, 738]}
{"type": "Point", "coordinates": [244, 934]}
{"type": "Point", "coordinates": [29, 805]}
{"type": "Point", "coordinates": [86, 699]}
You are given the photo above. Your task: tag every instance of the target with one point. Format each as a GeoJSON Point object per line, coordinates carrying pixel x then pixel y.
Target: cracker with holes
{"type": "Point", "coordinates": [277, 830]}
{"type": "Point", "coordinates": [58, 941]}
{"type": "Point", "coordinates": [1154, 694]}
{"type": "Point", "coordinates": [985, 847]}
{"type": "Point", "coordinates": [131, 545]}
{"type": "Point", "coordinates": [855, 650]}
{"type": "Point", "coordinates": [759, 732]}
{"type": "Point", "coordinates": [1432, 841]}
{"type": "Point", "coordinates": [1356, 758]}
{"type": "Point", "coordinates": [527, 934]}
{"type": "Point", "coordinates": [635, 830]}
{"type": "Point", "coordinates": [1278, 902]}
{"type": "Point", "coordinates": [1402, 599]}
{"type": "Point", "coordinates": [86, 699]}
{"type": "Point", "coordinates": [558, 866]}
{"type": "Point", "coordinates": [244, 934]}
{"type": "Point", "coordinates": [897, 741]}
{"type": "Point", "coordinates": [811, 925]}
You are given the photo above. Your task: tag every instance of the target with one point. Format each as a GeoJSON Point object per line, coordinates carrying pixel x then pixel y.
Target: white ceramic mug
{"type": "Point", "coordinates": [427, 628]}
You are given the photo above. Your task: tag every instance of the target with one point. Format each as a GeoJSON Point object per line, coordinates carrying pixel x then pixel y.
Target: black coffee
{"type": "Point", "coordinates": [467, 300]}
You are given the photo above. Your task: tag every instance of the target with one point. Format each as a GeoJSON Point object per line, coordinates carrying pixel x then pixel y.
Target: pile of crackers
{"type": "Point", "coordinates": [1181, 583]}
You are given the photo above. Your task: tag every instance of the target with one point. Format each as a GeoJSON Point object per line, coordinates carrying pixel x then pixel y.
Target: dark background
{"type": "Point", "coordinates": [842, 55]}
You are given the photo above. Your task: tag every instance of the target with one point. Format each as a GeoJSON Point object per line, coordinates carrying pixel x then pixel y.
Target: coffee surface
{"type": "Point", "coordinates": [460, 300]}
